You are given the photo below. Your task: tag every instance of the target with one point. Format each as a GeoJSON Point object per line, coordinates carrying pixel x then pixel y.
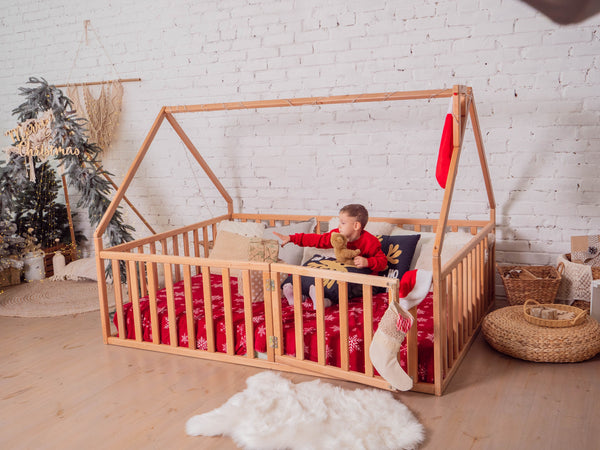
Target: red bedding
{"type": "Point", "coordinates": [356, 343]}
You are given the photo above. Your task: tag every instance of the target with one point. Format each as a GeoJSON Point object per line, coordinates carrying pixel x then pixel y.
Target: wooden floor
{"type": "Point", "coordinates": [61, 387]}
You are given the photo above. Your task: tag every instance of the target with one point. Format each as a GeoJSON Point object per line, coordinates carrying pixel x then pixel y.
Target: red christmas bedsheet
{"type": "Point", "coordinates": [332, 345]}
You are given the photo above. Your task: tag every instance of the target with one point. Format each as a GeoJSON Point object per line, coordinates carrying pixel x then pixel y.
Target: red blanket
{"type": "Point", "coordinates": [355, 339]}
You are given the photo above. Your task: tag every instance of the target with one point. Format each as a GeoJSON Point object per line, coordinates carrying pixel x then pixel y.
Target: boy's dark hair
{"type": "Point", "coordinates": [359, 212]}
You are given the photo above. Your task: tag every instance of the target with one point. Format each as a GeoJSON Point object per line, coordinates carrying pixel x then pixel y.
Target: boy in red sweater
{"type": "Point", "coordinates": [353, 219]}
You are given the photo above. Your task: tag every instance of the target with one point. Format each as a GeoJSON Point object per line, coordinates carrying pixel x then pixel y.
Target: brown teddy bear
{"type": "Point", "coordinates": [343, 254]}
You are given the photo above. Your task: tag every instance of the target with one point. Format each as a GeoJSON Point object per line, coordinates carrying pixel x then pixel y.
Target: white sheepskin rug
{"type": "Point", "coordinates": [273, 413]}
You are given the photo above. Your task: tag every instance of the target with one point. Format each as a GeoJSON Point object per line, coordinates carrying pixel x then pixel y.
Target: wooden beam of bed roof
{"type": "Point", "coordinates": [336, 99]}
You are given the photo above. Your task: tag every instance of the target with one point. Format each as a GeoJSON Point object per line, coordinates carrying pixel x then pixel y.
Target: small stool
{"type": "Point", "coordinates": [507, 330]}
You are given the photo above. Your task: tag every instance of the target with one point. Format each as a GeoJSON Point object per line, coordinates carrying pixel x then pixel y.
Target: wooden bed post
{"type": "Point", "coordinates": [459, 111]}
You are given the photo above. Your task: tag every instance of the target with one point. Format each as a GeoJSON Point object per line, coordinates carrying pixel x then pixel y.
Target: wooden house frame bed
{"type": "Point", "coordinates": [463, 287]}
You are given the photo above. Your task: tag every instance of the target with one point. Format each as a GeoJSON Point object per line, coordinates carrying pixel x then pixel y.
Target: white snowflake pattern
{"type": "Point", "coordinates": [202, 343]}
{"type": "Point", "coordinates": [224, 347]}
{"type": "Point", "coordinates": [354, 343]}
{"type": "Point", "coordinates": [261, 331]}
{"type": "Point", "coordinates": [328, 354]}
{"type": "Point", "coordinates": [184, 338]}
{"type": "Point", "coordinates": [166, 324]}
{"type": "Point", "coordinates": [335, 328]}
{"type": "Point", "coordinates": [429, 337]}
{"type": "Point", "coordinates": [257, 319]}
{"type": "Point", "coordinates": [222, 327]}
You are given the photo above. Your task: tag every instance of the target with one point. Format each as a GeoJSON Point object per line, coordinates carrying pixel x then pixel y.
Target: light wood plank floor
{"type": "Point", "coordinates": [61, 387]}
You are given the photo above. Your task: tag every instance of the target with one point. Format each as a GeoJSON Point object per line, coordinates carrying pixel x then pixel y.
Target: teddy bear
{"type": "Point", "coordinates": [343, 254]}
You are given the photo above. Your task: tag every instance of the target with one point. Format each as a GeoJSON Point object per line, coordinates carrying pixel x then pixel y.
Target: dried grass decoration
{"type": "Point", "coordinates": [102, 113]}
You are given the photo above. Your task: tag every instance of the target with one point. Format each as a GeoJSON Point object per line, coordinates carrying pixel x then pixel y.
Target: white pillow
{"type": "Point", "coordinates": [248, 229]}
{"type": "Point", "coordinates": [380, 228]}
{"type": "Point", "coordinates": [80, 269]}
{"type": "Point", "coordinates": [291, 253]}
{"type": "Point", "coordinates": [376, 228]}
{"type": "Point", "coordinates": [422, 259]}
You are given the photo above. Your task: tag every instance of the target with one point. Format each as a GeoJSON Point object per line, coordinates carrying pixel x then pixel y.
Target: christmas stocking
{"type": "Point", "coordinates": [386, 344]}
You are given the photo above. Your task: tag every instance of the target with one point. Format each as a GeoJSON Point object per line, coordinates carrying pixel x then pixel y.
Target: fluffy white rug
{"type": "Point", "coordinates": [273, 413]}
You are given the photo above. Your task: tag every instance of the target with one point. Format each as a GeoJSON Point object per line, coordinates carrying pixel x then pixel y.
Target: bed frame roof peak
{"type": "Point", "coordinates": [463, 107]}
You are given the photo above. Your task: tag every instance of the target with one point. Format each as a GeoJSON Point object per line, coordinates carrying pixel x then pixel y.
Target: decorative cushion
{"type": "Point", "coordinates": [230, 246]}
{"type": "Point", "coordinates": [291, 253]}
{"type": "Point", "coordinates": [399, 251]}
{"type": "Point", "coordinates": [330, 287]}
{"type": "Point", "coordinates": [80, 269]}
{"type": "Point", "coordinates": [453, 242]}
{"type": "Point", "coordinates": [248, 229]}
{"type": "Point", "coordinates": [309, 252]}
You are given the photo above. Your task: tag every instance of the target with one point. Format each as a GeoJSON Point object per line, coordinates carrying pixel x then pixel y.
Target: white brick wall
{"type": "Point", "coordinates": [536, 85]}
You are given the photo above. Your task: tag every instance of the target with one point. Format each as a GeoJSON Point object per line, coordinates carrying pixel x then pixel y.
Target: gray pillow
{"type": "Point", "coordinates": [291, 253]}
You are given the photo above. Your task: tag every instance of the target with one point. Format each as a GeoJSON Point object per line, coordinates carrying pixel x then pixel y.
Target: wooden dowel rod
{"type": "Point", "coordinates": [355, 98]}
{"type": "Point", "coordinates": [93, 83]}
{"type": "Point", "coordinates": [125, 199]}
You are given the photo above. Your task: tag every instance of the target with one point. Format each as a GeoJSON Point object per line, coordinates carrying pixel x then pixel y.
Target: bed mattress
{"type": "Point", "coordinates": [355, 316]}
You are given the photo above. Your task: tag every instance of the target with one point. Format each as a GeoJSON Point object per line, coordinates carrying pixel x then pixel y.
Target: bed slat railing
{"type": "Point", "coordinates": [466, 299]}
{"type": "Point", "coordinates": [321, 276]}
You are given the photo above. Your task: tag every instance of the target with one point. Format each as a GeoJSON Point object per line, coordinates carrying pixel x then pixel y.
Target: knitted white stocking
{"type": "Point", "coordinates": [386, 344]}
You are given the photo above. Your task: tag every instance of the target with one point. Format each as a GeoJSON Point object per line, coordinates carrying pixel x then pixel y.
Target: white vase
{"type": "Point", "coordinates": [34, 266]}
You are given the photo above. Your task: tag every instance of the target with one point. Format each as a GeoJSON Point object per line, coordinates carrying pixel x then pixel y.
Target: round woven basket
{"type": "Point", "coordinates": [579, 315]}
{"type": "Point", "coordinates": [521, 283]}
{"type": "Point", "coordinates": [507, 331]}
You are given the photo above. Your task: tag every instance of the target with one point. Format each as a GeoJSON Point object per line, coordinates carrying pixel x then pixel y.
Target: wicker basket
{"type": "Point", "coordinates": [9, 277]}
{"type": "Point", "coordinates": [539, 283]}
{"type": "Point", "coordinates": [578, 319]}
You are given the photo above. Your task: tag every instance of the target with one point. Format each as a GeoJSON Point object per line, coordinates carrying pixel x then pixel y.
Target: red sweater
{"type": "Point", "coordinates": [369, 246]}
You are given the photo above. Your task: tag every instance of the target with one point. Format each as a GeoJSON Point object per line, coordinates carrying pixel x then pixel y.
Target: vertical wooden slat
{"type": "Point", "coordinates": [367, 327]}
{"type": "Point", "coordinates": [176, 267]}
{"type": "Point", "coordinates": [205, 243]}
{"type": "Point", "coordinates": [457, 312]}
{"type": "Point", "coordinates": [412, 348]}
{"type": "Point", "coordinates": [320, 320]}
{"type": "Point", "coordinates": [470, 293]}
{"type": "Point", "coordinates": [344, 333]}
{"type": "Point", "coordinates": [118, 298]}
{"type": "Point", "coordinates": [173, 341]}
{"type": "Point", "coordinates": [298, 318]}
{"type": "Point", "coordinates": [227, 305]}
{"type": "Point", "coordinates": [189, 306]}
{"type": "Point", "coordinates": [196, 249]}
{"type": "Point", "coordinates": [142, 268]}
{"type": "Point", "coordinates": [449, 318]}
{"type": "Point", "coordinates": [153, 266]}
{"type": "Point", "coordinates": [135, 300]}
{"type": "Point", "coordinates": [152, 290]}
{"type": "Point", "coordinates": [248, 325]}
{"type": "Point", "coordinates": [208, 313]}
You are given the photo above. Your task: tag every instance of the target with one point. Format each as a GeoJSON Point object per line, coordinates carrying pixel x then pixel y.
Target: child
{"type": "Point", "coordinates": [353, 219]}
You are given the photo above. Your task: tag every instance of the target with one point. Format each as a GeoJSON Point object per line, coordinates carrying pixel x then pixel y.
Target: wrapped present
{"type": "Point", "coordinates": [263, 250]}
{"type": "Point", "coordinates": [586, 250]}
